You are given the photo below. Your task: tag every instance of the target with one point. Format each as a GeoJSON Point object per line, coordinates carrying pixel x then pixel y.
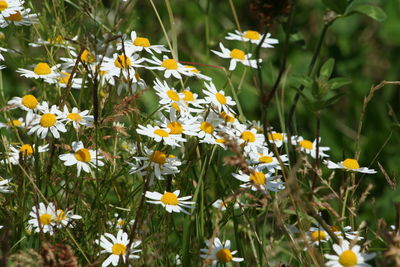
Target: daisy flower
{"type": "Point", "coordinates": [50, 121]}
{"type": "Point", "coordinates": [348, 234]}
{"type": "Point", "coordinates": [170, 201]}
{"type": "Point", "coordinates": [43, 218]}
{"type": "Point", "coordinates": [349, 165]}
{"type": "Point", "coordinates": [309, 147]}
{"type": "Point", "coordinates": [254, 37]}
{"type": "Point", "coordinates": [222, 205]}
{"type": "Point", "coordinates": [219, 252]}
{"type": "Point", "coordinates": [27, 102]}
{"type": "Point", "coordinates": [178, 126]}
{"type": "Point", "coordinates": [249, 138]}
{"type": "Point", "coordinates": [122, 65]}
{"type": "Point", "coordinates": [348, 256]}
{"type": "Point", "coordinates": [236, 55]}
{"type": "Point", "coordinates": [218, 98]}
{"type": "Point", "coordinates": [266, 159]}
{"type": "Point", "coordinates": [9, 7]}
{"type": "Point", "coordinates": [317, 235]}
{"type": "Point", "coordinates": [257, 180]}
{"type": "Point", "coordinates": [24, 152]}
{"type": "Point", "coordinates": [4, 186]}
{"type": "Point", "coordinates": [169, 66]}
{"type": "Point", "coordinates": [138, 44]}
{"type": "Point", "coordinates": [120, 222]}
{"type": "Point", "coordinates": [168, 95]}
{"type": "Point", "coordinates": [117, 247]}
{"type": "Point", "coordinates": [78, 118]}
{"type": "Point", "coordinates": [160, 135]}
{"type": "Point", "coordinates": [64, 218]}
{"type": "Point", "coordinates": [87, 57]}
{"type": "Point", "coordinates": [276, 138]}
{"type": "Point", "coordinates": [20, 18]}
{"type": "Point", "coordinates": [13, 123]}
{"type": "Point", "coordinates": [42, 70]}
{"type": "Point", "coordinates": [159, 162]}
{"type": "Point", "coordinates": [82, 157]}
{"type": "Point", "coordinates": [196, 73]}
{"type": "Point", "coordinates": [65, 77]}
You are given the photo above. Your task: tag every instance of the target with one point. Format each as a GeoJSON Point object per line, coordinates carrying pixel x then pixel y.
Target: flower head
{"type": "Point", "coordinates": [348, 256]}
{"type": "Point", "coordinates": [117, 246]}
{"type": "Point", "coordinates": [82, 157]}
{"type": "Point", "coordinates": [219, 252]}
{"type": "Point", "coordinates": [170, 201]}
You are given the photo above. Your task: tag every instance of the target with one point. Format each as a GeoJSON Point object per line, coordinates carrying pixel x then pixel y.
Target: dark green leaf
{"type": "Point", "coordinates": [327, 68]}
{"type": "Point", "coordinates": [373, 12]}
{"type": "Point", "coordinates": [338, 82]}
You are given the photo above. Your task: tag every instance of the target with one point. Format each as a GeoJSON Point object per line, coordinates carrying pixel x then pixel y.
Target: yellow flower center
{"type": "Point", "coordinates": [61, 215]}
{"type": "Point", "coordinates": [252, 35]}
{"type": "Point", "coordinates": [58, 40]}
{"type": "Point", "coordinates": [74, 117]}
{"type": "Point", "coordinates": [237, 54]}
{"type": "Point", "coordinates": [275, 137]}
{"type": "Point", "coordinates": [15, 123]}
{"type": "Point", "coordinates": [224, 255]}
{"type": "Point", "coordinates": [161, 133]}
{"type": "Point", "coordinates": [141, 41]}
{"type": "Point", "coordinates": [42, 69]}
{"type": "Point", "coordinates": [122, 62]}
{"type": "Point", "coordinates": [351, 164]}
{"type": "Point", "coordinates": [207, 127]}
{"type": "Point", "coordinates": [45, 219]}
{"type": "Point", "coordinates": [15, 17]}
{"type": "Point", "coordinates": [265, 159]}
{"type": "Point", "coordinates": [65, 76]}
{"type": "Point", "coordinates": [348, 258]}
{"type": "Point", "coordinates": [83, 155]}
{"type": "Point", "coordinates": [3, 5]}
{"type": "Point", "coordinates": [248, 136]}
{"type": "Point", "coordinates": [118, 249]}
{"type": "Point", "coordinates": [335, 229]}
{"type": "Point", "coordinates": [306, 144]}
{"type": "Point", "coordinates": [318, 236]}
{"type": "Point", "coordinates": [220, 140]}
{"type": "Point", "coordinates": [158, 157]}
{"type": "Point", "coordinates": [121, 222]}
{"type": "Point", "coordinates": [29, 101]}
{"type": "Point", "coordinates": [87, 56]}
{"type": "Point", "coordinates": [192, 69]}
{"type": "Point", "coordinates": [257, 178]}
{"type": "Point", "coordinates": [170, 64]}
{"type": "Point", "coordinates": [47, 120]}
{"type": "Point", "coordinates": [188, 96]}
{"type": "Point", "coordinates": [176, 127]}
{"type": "Point", "coordinates": [226, 117]}
{"type": "Point", "coordinates": [221, 98]}
{"type": "Point", "coordinates": [176, 107]}
{"type": "Point", "coordinates": [169, 199]}
{"type": "Point", "coordinates": [26, 150]}
{"type": "Point", "coordinates": [173, 95]}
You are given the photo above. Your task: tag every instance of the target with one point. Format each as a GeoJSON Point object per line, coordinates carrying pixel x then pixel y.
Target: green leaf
{"type": "Point", "coordinates": [373, 12]}
{"type": "Point", "coordinates": [339, 6]}
{"type": "Point", "coordinates": [302, 80]}
{"type": "Point", "coordinates": [338, 82]}
{"type": "Point", "coordinates": [326, 69]}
